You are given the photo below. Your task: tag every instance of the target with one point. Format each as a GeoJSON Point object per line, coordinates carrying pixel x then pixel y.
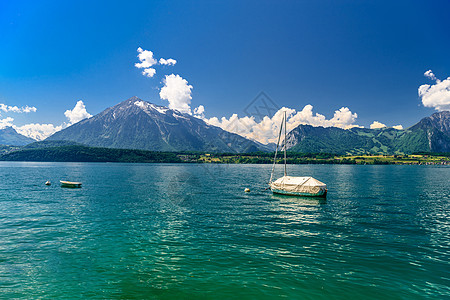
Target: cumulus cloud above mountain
{"type": "Point", "coordinates": [6, 122]}
{"type": "Point", "coordinates": [377, 125]}
{"type": "Point", "coordinates": [77, 114]}
{"type": "Point", "coordinates": [37, 131]}
{"type": "Point", "coordinates": [199, 112]}
{"type": "Point", "coordinates": [177, 91]}
{"type": "Point", "coordinates": [436, 95]}
{"type": "Point", "coordinates": [266, 130]}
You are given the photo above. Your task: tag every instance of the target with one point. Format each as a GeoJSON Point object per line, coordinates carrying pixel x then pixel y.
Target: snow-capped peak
{"type": "Point", "coordinates": [145, 106]}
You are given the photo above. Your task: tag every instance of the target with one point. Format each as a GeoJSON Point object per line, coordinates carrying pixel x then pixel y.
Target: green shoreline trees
{"type": "Point", "coordinates": [81, 153]}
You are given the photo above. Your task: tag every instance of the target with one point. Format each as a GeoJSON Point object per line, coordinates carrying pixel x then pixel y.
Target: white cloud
{"type": "Point", "coordinates": [246, 126]}
{"type": "Point", "coordinates": [430, 75]}
{"type": "Point", "coordinates": [38, 131]}
{"type": "Point", "coordinates": [146, 59]}
{"type": "Point", "coordinates": [169, 62]}
{"type": "Point", "coordinates": [28, 109]}
{"type": "Point", "coordinates": [177, 91]}
{"type": "Point", "coordinates": [377, 125]}
{"type": "Point", "coordinates": [15, 109]}
{"type": "Point", "coordinates": [42, 131]}
{"type": "Point", "coordinates": [267, 129]}
{"type": "Point", "coordinates": [436, 95]}
{"type": "Point", "coordinates": [34, 131]}
{"type": "Point", "coordinates": [398, 127]}
{"type": "Point", "coordinates": [6, 122]}
{"type": "Point", "coordinates": [199, 112]}
{"type": "Point", "coordinates": [150, 72]}
{"type": "Point", "coordinates": [78, 113]}
{"type": "Point", "coordinates": [343, 118]}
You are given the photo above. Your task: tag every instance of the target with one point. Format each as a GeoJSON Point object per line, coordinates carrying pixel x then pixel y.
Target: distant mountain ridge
{"type": "Point", "coordinates": [138, 124]}
{"type": "Point", "coordinates": [431, 134]}
{"type": "Point", "coordinates": [9, 136]}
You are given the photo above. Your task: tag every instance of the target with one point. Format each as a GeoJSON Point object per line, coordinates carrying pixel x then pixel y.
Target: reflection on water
{"type": "Point", "coordinates": [299, 200]}
{"type": "Point", "coordinates": [190, 231]}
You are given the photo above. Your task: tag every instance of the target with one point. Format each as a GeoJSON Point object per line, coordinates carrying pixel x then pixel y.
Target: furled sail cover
{"type": "Point", "coordinates": [298, 184]}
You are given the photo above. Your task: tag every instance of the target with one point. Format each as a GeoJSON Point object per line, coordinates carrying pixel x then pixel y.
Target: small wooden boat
{"type": "Point", "coordinates": [70, 184]}
{"type": "Point", "coordinates": [294, 186]}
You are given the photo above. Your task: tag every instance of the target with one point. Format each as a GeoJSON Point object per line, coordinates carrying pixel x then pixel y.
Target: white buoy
{"type": "Point", "coordinates": [247, 190]}
{"type": "Point", "coordinates": [47, 182]}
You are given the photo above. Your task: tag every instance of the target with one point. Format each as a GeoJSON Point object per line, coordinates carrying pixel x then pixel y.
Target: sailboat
{"type": "Point", "coordinates": [294, 186]}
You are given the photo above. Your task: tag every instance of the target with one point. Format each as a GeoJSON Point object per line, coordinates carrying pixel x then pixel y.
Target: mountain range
{"type": "Point", "coordinates": [431, 134]}
{"type": "Point", "coordinates": [137, 124]}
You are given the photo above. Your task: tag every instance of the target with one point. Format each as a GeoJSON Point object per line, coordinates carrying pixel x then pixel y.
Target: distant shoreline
{"type": "Point", "coordinates": [198, 163]}
{"type": "Point", "coordinates": [81, 153]}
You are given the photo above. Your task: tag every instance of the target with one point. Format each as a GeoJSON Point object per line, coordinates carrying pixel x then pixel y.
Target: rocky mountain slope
{"type": "Point", "coordinates": [9, 136]}
{"type": "Point", "coordinates": [137, 124]}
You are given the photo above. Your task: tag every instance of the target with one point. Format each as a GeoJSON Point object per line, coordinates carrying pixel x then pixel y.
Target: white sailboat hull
{"type": "Point", "coordinates": [322, 193]}
{"type": "Point", "coordinates": [299, 186]}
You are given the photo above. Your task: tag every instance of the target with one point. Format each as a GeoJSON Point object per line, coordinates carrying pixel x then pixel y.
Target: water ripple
{"type": "Point", "coordinates": [188, 231]}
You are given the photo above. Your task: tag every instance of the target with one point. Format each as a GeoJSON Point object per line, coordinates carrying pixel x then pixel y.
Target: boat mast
{"type": "Point", "coordinates": [285, 173]}
{"type": "Point", "coordinates": [276, 151]}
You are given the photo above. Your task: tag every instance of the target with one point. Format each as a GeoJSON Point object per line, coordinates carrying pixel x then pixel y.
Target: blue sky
{"type": "Point", "coordinates": [369, 56]}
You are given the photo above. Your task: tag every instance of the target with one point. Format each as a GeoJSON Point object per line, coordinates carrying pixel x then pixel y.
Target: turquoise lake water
{"type": "Point", "coordinates": [182, 231]}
